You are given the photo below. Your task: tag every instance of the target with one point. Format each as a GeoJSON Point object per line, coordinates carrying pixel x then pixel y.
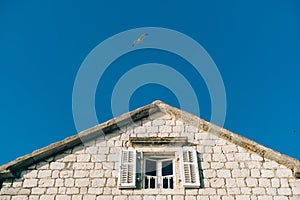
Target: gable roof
{"type": "Point", "coordinates": [13, 168]}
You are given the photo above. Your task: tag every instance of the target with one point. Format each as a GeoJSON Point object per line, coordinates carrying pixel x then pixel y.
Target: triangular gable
{"type": "Point", "coordinates": [11, 169]}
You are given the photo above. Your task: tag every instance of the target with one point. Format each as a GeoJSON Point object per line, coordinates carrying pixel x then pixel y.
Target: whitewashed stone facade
{"type": "Point", "coordinates": [228, 171]}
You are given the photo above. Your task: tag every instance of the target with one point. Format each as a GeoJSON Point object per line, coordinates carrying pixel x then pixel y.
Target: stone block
{"type": "Point", "coordinates": [217, 165]}
{"type": "Point", "coordinates": [66, 174]}
{"type": "Point", "coordinates": [104, 197]}
{"type": "Point", "coordinates": [19, 197]}
{"type": "Point", "coordinates": [30, 174]}
{"type": "Point", "coordinates": [271, 191]}
{"type": "Point", "coordinates": [230, 182]}
{"type": "Point", "coordinates": [270, 165]}
{"type": "Point", "coordinates": [229, 149]}
{"type": "Point", "coordinates": [47, 197]}
{"type": "Point", "coordinates": [227, 198]}
{"type": "Point", "coordinates": [83, 158]}
{"type": "Point", "coordinates": [178, 129]}
{"type": "Point", "coordinates": [209, 191]}
{"type": "Point", "coordinates": [69, 182]}
{"type": "Point", "coordinates": [77, 197]}
{"type": "Point", "coordinates": [81, 182]}
{"type": "Point", "coordinates": [209, 173]}
{"type": "Point", "coordinates": [233, 191]}
{"type": "Point", "coordinates": [92, 150]}
{"type": "Point", "coordinates": [284, 182]}
{"type": "Point", "coordinates": [242, 197]}
{"type": "Point", "coordinates": [30, 183]}
{"type": "Point", "coordinates": [267, 173]}
{"type": "Point", "coordinates": [24, 191]}
{"type": "Point", "coordinates": [296, 191]}
{"type": "Point", "coordinates": [111, 182]}
{"type": "Point", "coordinates": [284, 173]}
{"type": "Point", "coordinates": [83, 165]}
{"type": "Point", "coordinates": [46, 182]}
{"type": "Point", "coordinates": [251, 182]}
{"type": "Point", "coordinates": [96, 173]}
{"type": "Point", "coordinates": [152, 129]}
{"type": "Point", "coordinates": [217, 183]}
{"type": "Point", "coordinates": [246, 190]}
{"type": "Point", "coordinates": [187, 198]}
{"type": "Point", "coordinates": [253, 164]}
{"type": "Point", "coordinates": [59, 182]}
{"type": "Point", "coordinates": [281, 198]}
{"type": "Point", "coordinates": [89, 197]}
{"type": "Point", "coordinates": [231, 165]}
{"type": "Point", "coordinates": [113, 157]}
{"type": "Point", "coordinates": [44, 173]}
{"type": "Point", "coordinates": [284, 191]}
{"type": "Point", "coordinates": [99, 182]}
{"type": "Point", "coordinates": [259, 191]}
{"type": "Point", "coordinates": [255, 173]}
{"type": "Point", "coordinates": [72, 190]}
{"type": "Point", "coordinates": [264, 182]}
{"type": "Point", "coordinates": [140, 129]}
{"type": "Point", "coordinates": [265, 197]}
{"type": "Point", "coordinates": [62, 197]}
{"type": "Point", "coordinates": [256, 157]}
{"type": "Point", "coordinates": [240, 182]}
{"type": "Point", "coordinates": [165, 129]}
{"type": "Point", "coordinates": [242, 156]}
{"type": "Point", "coordinates": [81, 173]}
{"type": "Point", "coordinates": [57, 165]}
{"type": "Point", "coordinates": [218, 157]}
{"type": "Point", "coordinates": [158, 122]}
{"type": "Point", "coordinates": [69, 158]}
{"type": "Point", "coordinates": [38, 190]}
{"type": "Point", "coordinates": [96, 191]}
{"type": "Point", "coordinates": [52, 190]}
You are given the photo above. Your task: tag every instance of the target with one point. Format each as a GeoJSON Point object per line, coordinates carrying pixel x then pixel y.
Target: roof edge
{"type": "Point", "coordinates": [234, 138]}
{"type": "Point", "coordinates": [10, 170]}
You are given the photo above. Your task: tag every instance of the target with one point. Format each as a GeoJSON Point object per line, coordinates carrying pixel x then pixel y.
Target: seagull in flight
{"type": "Point", "coordinates": [140, 39]}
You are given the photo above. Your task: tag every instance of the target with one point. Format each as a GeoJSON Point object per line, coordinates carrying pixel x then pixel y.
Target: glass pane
{"type": "Point", "coordinates": [150, 168]}
{"type": "Point", "coordinates": [167, 168]}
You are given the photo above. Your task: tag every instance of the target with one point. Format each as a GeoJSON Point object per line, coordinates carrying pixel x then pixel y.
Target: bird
{"type": "Point", "coordinates": [140, 39]}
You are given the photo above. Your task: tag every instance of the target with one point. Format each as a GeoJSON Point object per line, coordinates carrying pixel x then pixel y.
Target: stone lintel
{"type": "Point", "coordinates": [146, 141]}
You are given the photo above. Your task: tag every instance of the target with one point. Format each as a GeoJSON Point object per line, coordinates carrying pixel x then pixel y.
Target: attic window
{"type": "Point", "coordinates": [157, 170]}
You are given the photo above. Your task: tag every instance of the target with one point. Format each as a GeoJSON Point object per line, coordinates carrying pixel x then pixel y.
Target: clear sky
{"type": "Point", "coordinates": [255, 45]}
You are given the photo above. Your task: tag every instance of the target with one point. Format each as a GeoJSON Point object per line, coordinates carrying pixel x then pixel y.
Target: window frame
{"type": "Point", "coordinates": [170, 157]}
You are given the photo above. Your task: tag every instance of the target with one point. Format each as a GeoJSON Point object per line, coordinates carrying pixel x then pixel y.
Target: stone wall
{"type": "Point", "coordinates": [90, 171]}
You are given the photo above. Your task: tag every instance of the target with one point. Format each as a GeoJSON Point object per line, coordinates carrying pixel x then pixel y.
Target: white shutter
{"type": "Point", "coordinates": [189, 169]}
{"type": "Point", "coordinates": [127, 174]}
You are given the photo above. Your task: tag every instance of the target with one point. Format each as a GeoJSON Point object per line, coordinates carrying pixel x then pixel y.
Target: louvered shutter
{"type": "Point", "coordinates": [189, 169]}
{"type": "Point", "coordinates": [127, 174]}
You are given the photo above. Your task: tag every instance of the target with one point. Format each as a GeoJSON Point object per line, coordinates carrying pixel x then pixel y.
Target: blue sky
{"type": "Point", "coordinates": [255, 45]}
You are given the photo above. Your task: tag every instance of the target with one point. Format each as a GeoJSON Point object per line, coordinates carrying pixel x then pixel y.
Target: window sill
{"type": "Point", "coordinates": [159, 191]}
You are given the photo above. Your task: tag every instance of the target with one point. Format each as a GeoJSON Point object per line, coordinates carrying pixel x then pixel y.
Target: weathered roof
{"type": "Point", "coordinates": [13, 168]}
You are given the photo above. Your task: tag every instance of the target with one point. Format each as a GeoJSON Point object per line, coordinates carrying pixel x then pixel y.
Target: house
{"type": "Point", "coordinates": [154, 152]}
